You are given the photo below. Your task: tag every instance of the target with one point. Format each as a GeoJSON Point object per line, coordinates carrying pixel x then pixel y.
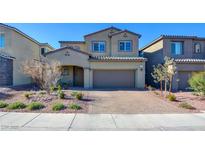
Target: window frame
{"type": "Point", "coordinates": [125, 45]}
{"type": "Point", "coordinates": [4, 42]}
{"type": "Point", "coordinates": [182, 43]}
{"type": "Point", "coordinates": [199, 48]}
{"type": "Point", "coordinates": [65, 71]}
{"type": "Point", "coordinates": [98, 51]}
{"type": "Point", "coordinates": [44, 49]}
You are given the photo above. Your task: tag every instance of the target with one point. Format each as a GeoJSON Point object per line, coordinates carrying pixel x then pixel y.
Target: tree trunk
{"type": "Point", "coordinates": [170, 85]}
{"type": "Point", "coordinates": [165, 88]}
{"type": "Point", "coordinates": [161, 87]}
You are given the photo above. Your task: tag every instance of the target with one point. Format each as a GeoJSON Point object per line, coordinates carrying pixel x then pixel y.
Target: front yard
{"type": "Point", "coordinates": [184, 99]}
{"type": "Point", "coordinates": [49, 103]}
{"type": "Point", "coordinates": [99, 101]}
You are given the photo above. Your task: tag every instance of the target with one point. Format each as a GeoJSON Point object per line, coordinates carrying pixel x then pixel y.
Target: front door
{"type": "Point", "coordinates": [78, 76]}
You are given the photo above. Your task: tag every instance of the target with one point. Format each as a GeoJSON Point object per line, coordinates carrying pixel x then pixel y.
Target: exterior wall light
{"type": "Point", "coordinates": [141, 67]}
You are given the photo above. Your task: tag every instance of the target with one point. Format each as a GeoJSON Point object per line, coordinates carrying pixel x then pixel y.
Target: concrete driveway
{"type": "Point", "coordinates": [73, 122]}
{"type": "Point", "coordinates": [129, 102]}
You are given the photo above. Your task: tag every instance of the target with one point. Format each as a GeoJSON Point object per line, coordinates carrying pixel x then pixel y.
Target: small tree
{"type": "Point", "coordinates": [197, 83]}
{"type": "Point", "coordinates": [164, 73]}
{"type": "Point", "coordinates": [158, 75]}
{"type": "Point", "coordinates": [170, 71]}
{"type": "Point", "coordinates": [44, 73]}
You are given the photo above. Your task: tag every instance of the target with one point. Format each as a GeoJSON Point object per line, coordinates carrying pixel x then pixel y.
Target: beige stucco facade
{"type": "Point", "coordinates": [80, 54]}
{"type": "Point", "coordinates": [21, 47]}
{"type": "Point", "coordinates": [69, 57]}
{"type": "Point", "coordinates": [77, 58]}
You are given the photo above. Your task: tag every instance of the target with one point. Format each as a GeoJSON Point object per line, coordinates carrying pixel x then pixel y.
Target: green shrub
{"type": "Point", "coordinates": [74, 106]}
{"type": "Point", "coordinates": [42, 93]}
{"type": "Point", "coordinates": [58, 107]}
{"type": "Point", "coordinates": [16, 105]}
{"type": "Point", "coordinates": [197, 83]}
{"type": "Point", "coordinates": [61, 94]}
{"type": "Point", "coordinates": [59, 88]}
{"type": "Point", "coordinates": [156, 93]}
{"type": "Point", "coordinates": [35, 106]}
{"type": "Point", "coordinates": [187, 106]}
{"type": "Point", "coordinates": [74, 93]}
{"type": "Point", "coordinates": [77, 95]}
{"type": "Point", "coordinates": [52, 88]}
{"type": "Point", "coordinates": [171, 97]}
{"type": "Point", "coordinates": [27, 95]}
{"type": "Point", "coordinates": [150, 88]}
{"type": "Point", "coordinates": [3, 104]}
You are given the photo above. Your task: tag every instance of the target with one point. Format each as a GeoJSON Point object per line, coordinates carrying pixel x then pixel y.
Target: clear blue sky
{"type": "Point", "coordinates": [52, 33]}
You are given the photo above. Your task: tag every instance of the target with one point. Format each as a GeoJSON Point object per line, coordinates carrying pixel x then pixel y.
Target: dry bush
{"type": "Point", "coordinates": [44, 72]}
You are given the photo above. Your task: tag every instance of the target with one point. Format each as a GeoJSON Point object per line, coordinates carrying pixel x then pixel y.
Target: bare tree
{"type": "Point", "coordinates": [158, 75]}
{"type": "Point", "coordinates": [44, 72]}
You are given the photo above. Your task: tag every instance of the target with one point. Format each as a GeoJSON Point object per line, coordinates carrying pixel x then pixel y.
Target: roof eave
{"type": "Point", "coordinates": [102, 31]}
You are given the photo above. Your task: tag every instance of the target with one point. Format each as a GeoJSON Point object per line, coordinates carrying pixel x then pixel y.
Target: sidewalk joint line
{"type": "Point", "coordinates": [31, 120]}
{"type": "Point", "coordinates": [72, 122]}
{"type": "Point", "coordinates": [114, 121]}
{"type": "Point", "coordinates": [4, 114]}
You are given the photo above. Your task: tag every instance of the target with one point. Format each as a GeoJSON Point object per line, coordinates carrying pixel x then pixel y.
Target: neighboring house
{"type": "Point", "coordinates": [16, 47]}
{"type": "Point", "coordinates": [188, 52]}
{"type": "Point", "coordinates": [108, 58]}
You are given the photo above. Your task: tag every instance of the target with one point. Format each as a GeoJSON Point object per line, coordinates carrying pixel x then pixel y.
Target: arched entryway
{"type": "Point", "coordinates": [78, 76]}
{"type": "Point", "coordinates": [73, 76]}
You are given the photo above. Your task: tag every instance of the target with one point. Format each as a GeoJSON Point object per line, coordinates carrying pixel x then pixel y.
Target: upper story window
{"type": "Point", "coordinates": [43, 51]}
{"type": "Point", "coordinates": [197, 48]}
{"type": "Point", "coordinates": [125, 46]}
{"type": "Point", "coordinates": [2, 40]}
{"type": "Point", "coordinates": [177, 48]}
{"type": "Point", "coordinates": [141, 54]}
{"type": "Point", "coordinates": [98, 46]}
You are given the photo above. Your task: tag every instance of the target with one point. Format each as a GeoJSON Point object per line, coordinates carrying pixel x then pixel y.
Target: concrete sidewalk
{"type": "Point", "coordinates": [53, 121]}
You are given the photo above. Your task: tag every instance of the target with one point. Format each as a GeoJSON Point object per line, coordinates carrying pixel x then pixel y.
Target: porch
{"type": "Point", "coordinates": [75, 76]}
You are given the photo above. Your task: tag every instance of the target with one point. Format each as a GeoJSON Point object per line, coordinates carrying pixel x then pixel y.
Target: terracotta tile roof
{"type": "Point", "coordinates": [113, 58]}
{"type": "Point", "coordinates": [71, 42]}
{"type": "Point", "coordinates": [178, 36]}
{"type": "Point", "coordinates": [190, 60]}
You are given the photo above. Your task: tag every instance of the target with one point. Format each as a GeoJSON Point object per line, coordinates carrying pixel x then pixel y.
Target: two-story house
{"type": "Point", "coordinates": [108, 58]}
{"type": "Point", "coordinates": [188, 52]}
{"type": "Point", "coordinates": [16, 47]}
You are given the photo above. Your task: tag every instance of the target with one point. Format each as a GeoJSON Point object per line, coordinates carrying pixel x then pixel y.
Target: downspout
{"type": "Point", "coordinates": [110, 47]}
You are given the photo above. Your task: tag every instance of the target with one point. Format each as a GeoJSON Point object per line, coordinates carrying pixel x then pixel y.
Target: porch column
{"type": "Point", "coordinates": [136, 78]}
{"type": "Point", "coordinates": [91, 78]}
{"type": "Point", "coordinates": [86, 78]}
{"type": "Point", "coordinates": [175, 82]}
{"type": "Point", "coordinates": [140, 76]}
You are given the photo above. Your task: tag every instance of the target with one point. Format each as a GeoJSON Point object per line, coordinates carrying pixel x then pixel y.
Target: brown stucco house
{"type": "Point", "coordinates": [108, 58]}
{"type": "Point", "coordinates": [188, 52]}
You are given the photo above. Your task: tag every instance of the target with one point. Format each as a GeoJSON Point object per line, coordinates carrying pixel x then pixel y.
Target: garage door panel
{"type": "Point", "coordinates": [113, 78]}
{"type": "Point", "coordinates": [183, 80]}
